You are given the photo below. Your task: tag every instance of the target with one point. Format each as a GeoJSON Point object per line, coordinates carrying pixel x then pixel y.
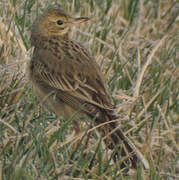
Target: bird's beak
{"type": "Point", "coordinates": [79, 20]}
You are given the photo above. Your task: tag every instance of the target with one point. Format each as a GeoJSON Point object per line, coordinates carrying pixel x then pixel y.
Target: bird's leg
{"type": "Point", "coordinates": [87, 139]}
{"type": "Point", "coordinates": [77, 131]}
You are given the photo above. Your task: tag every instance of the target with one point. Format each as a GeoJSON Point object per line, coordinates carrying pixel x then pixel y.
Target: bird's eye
{"type": "Point", "coordinates": [59, 22]}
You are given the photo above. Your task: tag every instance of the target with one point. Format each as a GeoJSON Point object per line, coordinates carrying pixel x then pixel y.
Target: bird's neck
{"type": "Point", "coordinates": [40, 40]}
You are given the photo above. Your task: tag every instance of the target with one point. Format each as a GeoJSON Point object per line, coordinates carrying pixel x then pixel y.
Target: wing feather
{"type": "Point", "coordinates": [79, 79]}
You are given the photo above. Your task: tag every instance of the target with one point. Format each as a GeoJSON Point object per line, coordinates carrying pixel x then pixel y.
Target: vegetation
{"type": "Point", "coordinates": [135, 43]}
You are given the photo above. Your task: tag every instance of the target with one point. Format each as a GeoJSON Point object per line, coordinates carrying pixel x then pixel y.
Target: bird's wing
{"type": "Point", "coordinates": [74, 71]}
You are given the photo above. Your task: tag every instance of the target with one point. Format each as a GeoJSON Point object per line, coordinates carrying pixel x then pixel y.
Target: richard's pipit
{"type": "Point", "coordinates": [67, 79]}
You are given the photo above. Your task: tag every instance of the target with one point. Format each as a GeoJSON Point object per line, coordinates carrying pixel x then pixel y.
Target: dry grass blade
{"type": "Point", "coordinates": [136, 45]}
{"type": "Point", "coordinates": [144, 68]}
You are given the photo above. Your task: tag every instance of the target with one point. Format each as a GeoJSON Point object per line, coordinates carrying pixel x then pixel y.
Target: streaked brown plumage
{"type": "Point", "coordinates": [67, 78]}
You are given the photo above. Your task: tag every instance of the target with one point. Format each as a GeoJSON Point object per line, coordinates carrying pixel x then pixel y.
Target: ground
{"type": "Point", "coordinates": [135, 43]}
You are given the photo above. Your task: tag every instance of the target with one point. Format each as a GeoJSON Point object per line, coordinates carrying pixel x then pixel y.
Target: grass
{"type": "Point", "coordinates": [136, 44]}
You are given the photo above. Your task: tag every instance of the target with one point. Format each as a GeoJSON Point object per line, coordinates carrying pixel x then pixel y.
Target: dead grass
{"type": "Point", "coordinates": [135, 43]}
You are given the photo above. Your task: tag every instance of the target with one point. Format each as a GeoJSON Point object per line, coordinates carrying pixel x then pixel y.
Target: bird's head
{"type": "Point", "coordinates": [55, 22]}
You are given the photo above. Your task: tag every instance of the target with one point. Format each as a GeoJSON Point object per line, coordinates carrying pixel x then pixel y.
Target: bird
{"type": "Point", "coordinates": [67, 79]}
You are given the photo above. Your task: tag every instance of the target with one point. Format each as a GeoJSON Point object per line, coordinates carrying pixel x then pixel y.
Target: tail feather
{"type": "Point", "coordinates": [114, 138]}
{"type": "Point", "coordinates": [126, 149]}
{"type": "Point", "coordinates": [117, 141]}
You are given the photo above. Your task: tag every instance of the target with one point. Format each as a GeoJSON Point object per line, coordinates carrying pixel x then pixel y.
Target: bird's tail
{"type": "Point", "coordinates": [115, 140]}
